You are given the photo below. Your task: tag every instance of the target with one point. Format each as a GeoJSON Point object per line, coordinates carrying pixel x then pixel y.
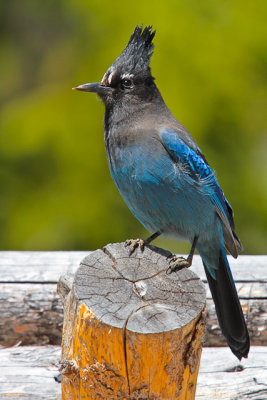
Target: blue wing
{"type": "Point", "coordinates": [198, 169]}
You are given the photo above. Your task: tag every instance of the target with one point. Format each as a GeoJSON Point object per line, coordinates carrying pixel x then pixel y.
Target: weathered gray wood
{"type": "Point", "coordinates": [114, 285]}
{"type": "Point", "coordinates": [118, 308]}
{"type": "Point", "coordinates": [256, 315]}
{"type": "Point", "coordinates": [28, 372]}
{"type": "Point", "coordinates": [32, 312]}
{"type": "Point", "coordinates": [245, 268]}
{"type": "Point", "coordinates": [223, 377]}
{"type": "Point", "coordinates": [47, 266]}
{"type": "Point", "coordinates": [38, 266]}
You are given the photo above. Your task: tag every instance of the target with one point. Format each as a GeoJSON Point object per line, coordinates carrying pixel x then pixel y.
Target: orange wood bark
{"type": "Point", "coordinates": [133, 358]}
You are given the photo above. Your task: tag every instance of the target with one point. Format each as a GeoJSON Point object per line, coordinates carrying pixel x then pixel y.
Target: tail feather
{"type": "Point", "coordinates": [228, 308]}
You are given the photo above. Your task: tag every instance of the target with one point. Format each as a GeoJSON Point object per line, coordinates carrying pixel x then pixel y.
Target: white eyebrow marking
{"type": "Point", "coordinates": [111, 69]}
{"type": "Point", "coordinates": [127, 76]}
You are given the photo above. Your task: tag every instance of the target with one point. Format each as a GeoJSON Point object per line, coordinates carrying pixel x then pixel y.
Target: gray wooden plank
{"type": "Point", "coordinates": [32, 314]}
{"type": "Point", "coordinates": [245, 268]}
{"type": "Point", "coordinates": [246, 290]}
{"type": "Point", "coordinates": [38, 266]}
{"type": "Point", "coordinates": [28, 373]}
{"type": "Point", "coordinates": [47, 266]}
{"type": "Point", "coordinates": [255, 312]}
{"type": "Point", "coordinates": [223, 377]}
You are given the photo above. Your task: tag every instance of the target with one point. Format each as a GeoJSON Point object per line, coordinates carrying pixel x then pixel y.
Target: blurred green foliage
{"type": "Point", "coordinates": [210, 62]}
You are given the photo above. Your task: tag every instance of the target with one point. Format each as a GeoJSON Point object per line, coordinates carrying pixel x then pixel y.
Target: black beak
{"type": "Point", "coordinates": [93, 88]}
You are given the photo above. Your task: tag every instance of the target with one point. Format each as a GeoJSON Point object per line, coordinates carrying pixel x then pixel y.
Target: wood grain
{"type": "Point", "coordinates": [131, 330]}
{"type": "Point", "coordinates": [47, 266]}
{"type": "Point", "coordinates": [223, 377]}
{"type": "Point", "coordinates": [31, 311]}
{"type": "Point", "coordinates": [28, 373]}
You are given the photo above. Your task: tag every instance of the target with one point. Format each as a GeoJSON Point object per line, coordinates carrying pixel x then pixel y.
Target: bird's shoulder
{"type": "Point", "coordinates": [182, 147]}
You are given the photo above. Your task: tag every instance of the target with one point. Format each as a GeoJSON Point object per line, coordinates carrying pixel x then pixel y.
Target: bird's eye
{"type": "Point", "coordinates": [126, 83]}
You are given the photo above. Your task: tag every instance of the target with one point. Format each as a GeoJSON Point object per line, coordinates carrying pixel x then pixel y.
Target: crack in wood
{"type": "Point", "coordinates": [125, 345]}
{"type": "Point", "coordinates": [191, 358]}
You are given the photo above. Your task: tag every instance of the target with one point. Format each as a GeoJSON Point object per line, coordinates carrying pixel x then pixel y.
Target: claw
{"type": "Point", "coordinates": [177, 263]}
{"type": "Point", "coordinates": [134, 244]}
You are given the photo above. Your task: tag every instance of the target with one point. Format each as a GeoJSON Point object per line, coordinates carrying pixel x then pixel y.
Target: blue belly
{"type": "Point", "coordinates": [160, 193]}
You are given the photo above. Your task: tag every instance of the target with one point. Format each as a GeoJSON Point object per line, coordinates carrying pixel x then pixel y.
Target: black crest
{"type": "Point", "coordinates": [137, 53]}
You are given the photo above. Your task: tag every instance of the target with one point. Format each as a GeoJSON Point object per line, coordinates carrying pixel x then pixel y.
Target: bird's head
{"type": "Point", "coordinates": [129, 77]}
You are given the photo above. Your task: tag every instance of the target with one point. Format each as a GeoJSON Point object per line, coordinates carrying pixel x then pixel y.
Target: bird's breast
{"type": "Point", "coordinates": [138, 163]}
{"type": "Point", "coordinates": [152, 185]}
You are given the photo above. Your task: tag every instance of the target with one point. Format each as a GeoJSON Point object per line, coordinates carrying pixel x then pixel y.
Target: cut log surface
{"type": "Point", "coordinates": [130, 330]}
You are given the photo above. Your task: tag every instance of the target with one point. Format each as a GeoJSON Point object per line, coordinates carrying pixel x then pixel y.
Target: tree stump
{"type": "Point", "coordinates": [130, 330]}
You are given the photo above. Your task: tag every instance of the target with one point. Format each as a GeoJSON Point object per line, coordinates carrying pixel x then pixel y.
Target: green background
{"type": "Point", "coordinates": [210, 63]}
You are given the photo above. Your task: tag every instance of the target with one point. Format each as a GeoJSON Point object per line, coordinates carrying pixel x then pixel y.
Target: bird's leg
{"type": "Point", "coordinates": [178, 263]}
{"type": "Point", "coordinates": [134, 243]}
{"type": "Point", "coordinates": [152, 237]}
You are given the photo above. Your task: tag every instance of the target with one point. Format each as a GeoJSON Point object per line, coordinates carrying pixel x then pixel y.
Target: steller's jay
{"type": "Point", "coordinates": [165, 179]}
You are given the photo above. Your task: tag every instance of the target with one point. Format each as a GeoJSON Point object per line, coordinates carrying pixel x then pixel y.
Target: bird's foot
{"type": "Point", "coordinates": [177, 263]}
{"type": "Point", "coordinates": [134, 244]}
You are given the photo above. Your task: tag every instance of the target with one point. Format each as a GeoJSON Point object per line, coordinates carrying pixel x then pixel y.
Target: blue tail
{"type": "Point", "coordinates": [228, 308]}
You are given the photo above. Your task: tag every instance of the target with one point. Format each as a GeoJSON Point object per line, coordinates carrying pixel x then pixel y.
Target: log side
{"type": "Point", "coordinates": [130, 330]}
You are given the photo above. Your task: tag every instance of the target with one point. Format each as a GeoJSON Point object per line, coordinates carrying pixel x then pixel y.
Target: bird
{"type": "Point", "coordinates": [165, 179]}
